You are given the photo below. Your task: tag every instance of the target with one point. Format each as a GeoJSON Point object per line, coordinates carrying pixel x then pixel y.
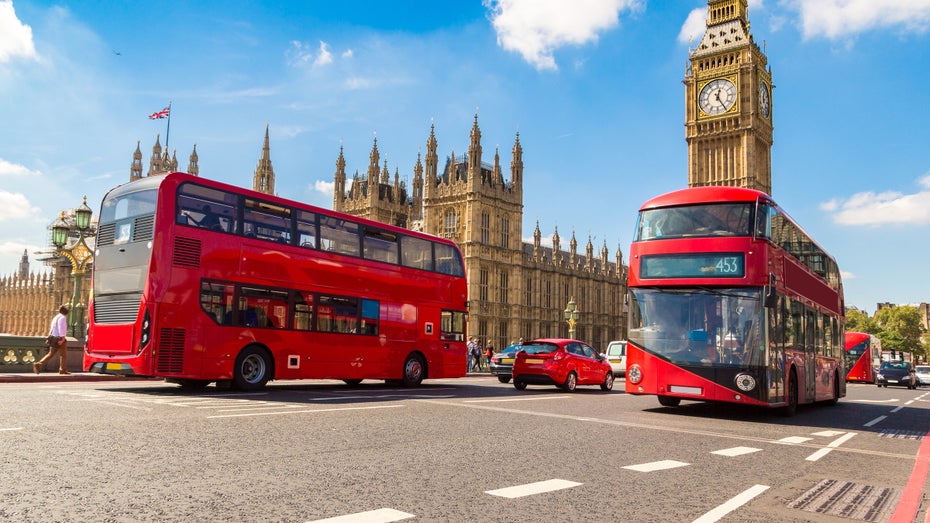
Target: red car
{"type": "Point", "coordinates": [560, 362]}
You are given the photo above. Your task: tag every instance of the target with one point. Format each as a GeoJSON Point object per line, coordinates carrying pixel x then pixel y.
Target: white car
{"type": "Point", "coordinates": [923, 375]}
{"type": "Point", "coordinates": [616, 356]}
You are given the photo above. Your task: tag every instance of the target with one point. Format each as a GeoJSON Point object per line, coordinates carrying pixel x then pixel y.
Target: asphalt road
{"type": "Point", "coordinates": [470, 449]}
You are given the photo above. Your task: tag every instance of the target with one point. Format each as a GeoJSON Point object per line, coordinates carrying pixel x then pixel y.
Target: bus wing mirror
{"type": "Point", "coordinates": [770, 295]}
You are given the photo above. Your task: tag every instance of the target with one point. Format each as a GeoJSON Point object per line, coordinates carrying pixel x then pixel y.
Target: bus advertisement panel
{"type": "Point", "coordinates": [731, 301]}
{"type": "Point", "coordinates": [863, 356]}
{"type": "Point", "coordinates": [198, 281]}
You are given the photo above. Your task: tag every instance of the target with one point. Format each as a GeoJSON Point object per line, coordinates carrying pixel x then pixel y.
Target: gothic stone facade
{"type": "Point", "coordinates": [515, 289]}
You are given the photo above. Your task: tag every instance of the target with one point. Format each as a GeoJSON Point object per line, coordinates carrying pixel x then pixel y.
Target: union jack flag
{"type": "Point", "coordinates": [159, 115]}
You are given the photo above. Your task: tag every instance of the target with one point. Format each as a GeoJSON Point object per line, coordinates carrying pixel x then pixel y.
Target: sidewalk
{"type": "Point", "coordinates": [53, 377]}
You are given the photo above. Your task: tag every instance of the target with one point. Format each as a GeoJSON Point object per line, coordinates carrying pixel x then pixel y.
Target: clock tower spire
{"type": "Point", "coordinates": [728, 103]}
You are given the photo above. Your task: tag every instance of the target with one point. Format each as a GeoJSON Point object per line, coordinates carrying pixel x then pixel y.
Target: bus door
{"type": "Point", "coordinates": [810, 355]}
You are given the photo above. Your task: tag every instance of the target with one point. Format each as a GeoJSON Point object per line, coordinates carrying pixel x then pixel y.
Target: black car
{"type": "Point", "coordinates": [502, 363]}
{"type": "Point", "coordinates": [896, 373]}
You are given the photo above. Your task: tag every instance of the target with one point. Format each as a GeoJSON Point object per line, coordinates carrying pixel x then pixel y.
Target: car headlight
{"type": "Point", "coordinates": [634, 374]}
{"type": "Point", "coordinates": [879, 376]}
{"type": "Point", "coordinates": [745, 382]}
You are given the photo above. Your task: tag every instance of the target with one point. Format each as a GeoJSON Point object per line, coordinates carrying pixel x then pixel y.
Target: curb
{"type": "Point", "coordinates": [50, 377]}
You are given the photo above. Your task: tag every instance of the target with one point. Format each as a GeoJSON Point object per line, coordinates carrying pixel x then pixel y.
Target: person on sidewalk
{"type": "Point", "coordinates": [56, 342]}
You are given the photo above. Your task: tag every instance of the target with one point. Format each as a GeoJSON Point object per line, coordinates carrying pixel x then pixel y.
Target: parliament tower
{"type": "Point", "coordinates": [728, 104]}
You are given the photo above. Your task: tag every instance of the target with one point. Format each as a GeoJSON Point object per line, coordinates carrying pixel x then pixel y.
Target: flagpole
{"type": "Point", "coordinates": [168, 130]}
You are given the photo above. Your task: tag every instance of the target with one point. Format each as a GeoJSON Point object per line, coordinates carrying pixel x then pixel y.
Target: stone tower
{"type": "Point", "coordinates": [728, 103]}
{"type": "Point", "coordinates": [375, 196]}
{"type": "Point", "coordinates": [263, 181]}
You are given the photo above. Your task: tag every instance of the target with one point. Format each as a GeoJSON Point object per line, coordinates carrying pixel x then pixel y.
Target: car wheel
{"type": "Point", "coordinates": [519, 385]}
{"type": "Point", "coordinates": [608, 381]}
{"type": "Point", "coordinates": [414, 370]}
{"type": "Point", "coordinates": [503, 379]}
{"type": "Point", "coordinates": [669, 401]}
{"type": "Point", "coordinates": [253, 369]}
{"type": "Point", "coordinates": [571, 381]}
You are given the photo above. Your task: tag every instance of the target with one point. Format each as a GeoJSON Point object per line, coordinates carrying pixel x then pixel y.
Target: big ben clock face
{"type": "Point", "coordinates": [717, 97]}
{"type": "Point", "coordinates": [765, 103]}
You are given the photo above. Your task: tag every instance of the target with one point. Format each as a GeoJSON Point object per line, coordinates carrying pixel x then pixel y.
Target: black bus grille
{"type": "Point", "coordinates": [117, 311]}
{"type": "Point", "coordinates": [143, 228]}
{"type": "Point", "coordinates": [187, 252]}
{"type": "Point", "coordinates": [171, 350]}
{"type": "Point", "coordinates": [106, 234]}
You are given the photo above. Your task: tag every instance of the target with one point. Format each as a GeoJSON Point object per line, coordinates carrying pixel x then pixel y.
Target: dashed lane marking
{"type": "Point", "coordinates": [874, 421]}
{"type": "Point", "coordinates": [534, 398]}
{"type": "Point", "coordinates": [735, 451]}
{"type": "Point", "coordinates": [530, 489]}
{"type": "Point", "coordinates": [383, 515]}
{"type": "Point", "coordinates": [828, 433]}
{"type": "Point", "coordinates": [10, 429]}
{"type": "Point", "coordinates": [832, 445]}
{"type": "Point", "coordinates": [657, 465]}
{"type": "Point", "coordinates": [791, 440]}
{"type": "Point", "coordinates": [732, 504]}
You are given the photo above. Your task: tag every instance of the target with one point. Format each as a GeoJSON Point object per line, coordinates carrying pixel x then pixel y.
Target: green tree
{"type": "Point", "coordinates": [859, 321]}
{"type": "Point", "coordinates": [900, 329]}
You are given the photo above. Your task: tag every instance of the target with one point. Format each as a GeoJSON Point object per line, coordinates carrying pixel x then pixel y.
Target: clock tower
{"type": "Point", "coordinates": [728, 104]}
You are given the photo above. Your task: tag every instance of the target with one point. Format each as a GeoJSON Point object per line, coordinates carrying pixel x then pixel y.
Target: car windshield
{"type": "Point", "coordinates": [899, 365]}
{"type": "Point", "coordinates": [923, 368]}
{"type": "Point", "coordinates": [539, 348]}
{"type": "Point", "coordinates": [510, 349]}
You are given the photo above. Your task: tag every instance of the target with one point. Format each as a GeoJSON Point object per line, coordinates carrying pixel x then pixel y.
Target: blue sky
{"type": "Point", "coordinates": [594, 87]}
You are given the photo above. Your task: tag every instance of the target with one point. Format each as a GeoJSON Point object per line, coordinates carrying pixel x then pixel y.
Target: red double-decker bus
{"type": "Point", "coordinates": [198, 281]}
{"type": "Point", "coordinates": [863, 355]}
{"type": "Point", "coordinates": [732, 301]}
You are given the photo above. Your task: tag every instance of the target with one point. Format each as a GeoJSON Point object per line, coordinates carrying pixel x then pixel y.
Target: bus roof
{"type": "Point", "coordinates": [696, 195]}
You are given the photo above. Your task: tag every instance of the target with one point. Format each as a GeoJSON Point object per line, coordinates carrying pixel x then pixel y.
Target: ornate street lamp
{"type": "Point", "coordinates": [571, 315]}
{"type": "Point", "coordinates": [79, 254]}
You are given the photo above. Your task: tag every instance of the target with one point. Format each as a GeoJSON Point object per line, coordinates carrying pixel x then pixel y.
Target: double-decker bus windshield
{"type": "Point", "coordinates": [718, 219]}
{"type": "Point", "coordinates": [697, 326]}
{"type": "Point", "coordinates": [126, 223]}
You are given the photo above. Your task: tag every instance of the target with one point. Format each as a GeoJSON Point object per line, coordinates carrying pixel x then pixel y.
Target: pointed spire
{"type": "Point", "coordinates": [374, 159]}
{"type": "Point", "coordinates": [263, 180]}
{"type": "Point", "coordinates": [135, 169]}
{"type": "Point", "coordinates": [193, 166]}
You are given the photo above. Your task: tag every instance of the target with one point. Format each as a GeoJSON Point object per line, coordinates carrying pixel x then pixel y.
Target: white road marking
{"type": "Point", "coordinates": [874, 421]}
{"type": "Point", "coordinates": [896, 409]}
{"type": "Point", "coordinates": [383, 515]}
{"type": "Point", "coordinates": [833, 444]}
{"type": "Point", "coordinates": [793, 439]}
{"type": "Point", "coordinates": [530, 489]}
{"type": "Point", "coordinates": [895, 400]}
{"type": "Point", "coordinates": [732, 504]}
{"type": "Point", "coordinates": [534, 398]}
{"type": "Point", "coordinates": [735, 451]}
{"type": "Point", "coordinates": [308, 411]}
{"type": "Point", "coordinates": [828, 433]}
{"type": "Point", "coordinates": [657, 465]}
{"type": "Point", "coordinates": [381, 397]}
{"type": "Point", "coordinates": [11, 428]}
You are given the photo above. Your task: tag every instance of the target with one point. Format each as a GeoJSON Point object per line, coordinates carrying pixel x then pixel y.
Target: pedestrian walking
{"type": "Point", "coordinates": [56, 342]}
{"type": "Point", "coordinates": [470, 351]}
{"type": "Point", "coordinates": [476, 357]}
{"type": "Point", "coordinates": [489, 349]}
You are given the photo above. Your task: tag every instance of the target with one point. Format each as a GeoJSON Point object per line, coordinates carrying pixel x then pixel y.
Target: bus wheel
{"type": "Point", "coordinates": [252, 370]}
{"type": "Point", "coordinates": [571, 381]}
{"type": "Point", "coordinates": [669, 401]}
{"type": "Point", "coordinates": [414, 370]}
{"type": "Point", "coordinates": [836, 391]}
{"type": "Point", "coordinates": [608, 381]}
{"type": "Point", "coordinates": [792, 407]}
{"type": "Point", "coordinates": [352, 382]}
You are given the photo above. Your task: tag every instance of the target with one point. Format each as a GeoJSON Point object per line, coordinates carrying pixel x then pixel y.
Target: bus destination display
{"type": "Point", "coordinates": [693, 265]}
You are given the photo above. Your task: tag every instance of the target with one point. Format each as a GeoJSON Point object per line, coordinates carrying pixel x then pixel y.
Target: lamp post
{"type": "Point", "coordinates": [70, 239]}
{"type": "Point", "coordinates": [571, 315]}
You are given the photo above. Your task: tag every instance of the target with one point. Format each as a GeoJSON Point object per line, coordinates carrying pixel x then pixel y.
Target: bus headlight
{"type": "Point", "coordinates": [634, 374]}
{"type": "Point", "coordinates": [745, 382]}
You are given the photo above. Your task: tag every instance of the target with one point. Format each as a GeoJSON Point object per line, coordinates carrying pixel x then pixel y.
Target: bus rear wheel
{"type": "Point", "coordinates": [190, 385]}
{"type": "Point", "coordinates": [792, 404]}
{"type": "Point", "coordinates": [253, 369]}
{"type": "Point", "coordinates": [414, 371]}
{"type": "Point", "coordinates": [669, 401]}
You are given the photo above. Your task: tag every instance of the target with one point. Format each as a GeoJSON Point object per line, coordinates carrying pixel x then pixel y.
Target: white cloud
{"type": "Point", "coordinates": [324, 187]}
{"type": "Point", "coordinates": [536, 28]}
{"type": "Point", "coordinates": [16, 207]}
{"type": "Point", "coordinates": [695, 25]}
{"type": "Point", "coordinates": [347, 53]}
{"type": "Point", "coordinates": [846, 275]}
{"type": "Point", "coordinates": [890, 207]}
{"type": "Point", "coordinates": [15, 169]}
{"type": "Point", "coordinates": [15, 36]}
{"type": "Point", "coordinates": [325, 57]}
{"type": "Point", "coordinates": [835, 19]}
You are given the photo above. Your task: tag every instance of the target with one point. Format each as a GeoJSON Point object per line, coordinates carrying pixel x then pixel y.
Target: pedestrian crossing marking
{"type": "Point", "coordinates": [657, 465]}
{"type": "Point", "coordinates": [735, 451]}
{"type": "Point", "coordinates": [530, 489]}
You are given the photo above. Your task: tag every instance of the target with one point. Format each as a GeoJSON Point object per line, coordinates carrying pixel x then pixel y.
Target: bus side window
{"type": "Point", "coordinates": [447, 260]}
{"type": "Point", "coordinates": [306, 230]}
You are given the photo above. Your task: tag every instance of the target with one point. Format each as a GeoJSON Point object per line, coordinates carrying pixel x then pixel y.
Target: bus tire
{"type": "Point", "coordinates": [353, 382]}
{"type": "Point", "coordinates": [414, 370]}
{"type": "Point", "coordinates": [191, 385]}
{"type": "Point", "coordinates": [253, 368]}
{"type": "Point", "coordinates": [836, 391]}
{"type": "Point", "coordinates": [669, 401]}
{"type": "Point", "coordinates": [791, 408]}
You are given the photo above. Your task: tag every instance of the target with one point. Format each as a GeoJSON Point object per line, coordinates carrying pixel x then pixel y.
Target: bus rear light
{"type": "Point", "coordinates": [146, 331]}
{"type": "Point", "coordinates": [745, 382]}
{"type": "Point", "coordinates": [634, 374]}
